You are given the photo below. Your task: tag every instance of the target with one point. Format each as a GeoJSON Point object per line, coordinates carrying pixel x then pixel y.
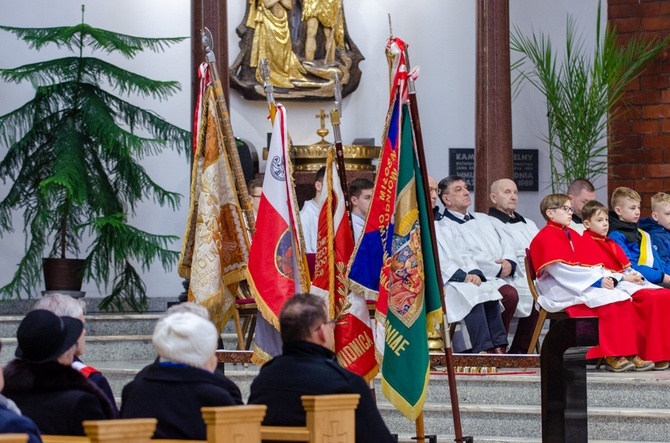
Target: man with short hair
{"type": "Point", "coordinates": [434, 194]}
{"type": "Point", "coordinates": [505, 198]}
{"type": "Point", "coordinates": [309, 214]}
{"type": "Point", "coordinates": [493, 254]}
{"type": "Point", "coordinates": [360, 195]}
{"type": "Point", "coordinates": [308, 366]}
{"type": "Point", "coordinates": [255, 188]}
{"type": "Point", "coordinates": [580, 191]}
{"type": "Point", "coordinates": [468, 296]}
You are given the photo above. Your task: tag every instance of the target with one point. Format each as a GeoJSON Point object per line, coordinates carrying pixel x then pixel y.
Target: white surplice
{"type": "Point", "coordinates": [520, 234]}
{"type": "Point", "coordinates": [309, 219]}
{"type": "Point", "coordinates": [561, 286]}
{"type": "Point", "coordinates": [486, 246]}
{"type": "Point", "coordinates": [460, 297]}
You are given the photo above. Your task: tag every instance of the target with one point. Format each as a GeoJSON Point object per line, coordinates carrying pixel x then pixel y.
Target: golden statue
{"type": "Point", "coordinates": [328, 13]}
{"type": "Point", "coordinates": [272, 40]}
{"type": "Point", "coordinates": [307, 46]}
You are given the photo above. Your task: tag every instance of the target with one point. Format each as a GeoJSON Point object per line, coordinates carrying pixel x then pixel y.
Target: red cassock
{"type": "Point", "coordinates": [652, 305]}
{"type": "Point", "coordinates": [616, 321]}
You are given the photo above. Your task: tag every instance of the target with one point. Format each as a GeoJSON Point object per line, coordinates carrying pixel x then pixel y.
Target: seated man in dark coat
{"type": "Point", "coordinates": [183, 380]}
{"type": "Point", "coordinates": [42, 382]}
{"type": "Point", "coordinates": [308, 367]}
{"type": "Point", "coordinates": [11, 420]}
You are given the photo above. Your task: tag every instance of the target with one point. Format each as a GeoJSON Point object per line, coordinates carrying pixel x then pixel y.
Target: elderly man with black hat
{"type": "Point", "coordinates": [42, 382]}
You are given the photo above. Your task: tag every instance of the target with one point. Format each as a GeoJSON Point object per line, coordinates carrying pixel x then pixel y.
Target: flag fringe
{"type": "Point", "coordinates": [411, 411]}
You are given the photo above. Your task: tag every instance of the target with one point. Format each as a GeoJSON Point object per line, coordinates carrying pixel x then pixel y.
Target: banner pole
{"type": "Point", "coordinates": [418, 137]}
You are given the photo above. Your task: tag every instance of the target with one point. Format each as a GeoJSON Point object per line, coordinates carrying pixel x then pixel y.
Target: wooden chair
{"type": "Point", "coordinates": [244, 317]}
{"type": "Point", "coordinates": [13, 438]}
{"type": "Point", "coordinates": [531, 277]}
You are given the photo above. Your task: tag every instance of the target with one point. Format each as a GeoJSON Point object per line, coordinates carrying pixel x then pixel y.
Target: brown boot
{"type": "Point", "coordinates": [618, 364]}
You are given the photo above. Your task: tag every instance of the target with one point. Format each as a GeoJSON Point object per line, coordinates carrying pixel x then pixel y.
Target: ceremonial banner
{"type": "Point", "coordinates": [414, 306]}
{"type": "Point", "coordinates": [394, 261]}
{"type": "Point", "coordinates": [277, 263]}
{"type": "Point", "coordinates": [215, 249]}
{"type": "Point", "coordinates": [354, 345]}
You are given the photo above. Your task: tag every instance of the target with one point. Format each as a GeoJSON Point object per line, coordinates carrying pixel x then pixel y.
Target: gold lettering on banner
{"type": "Point", "coordinates": [394, 339]}
{"type": "Point", "coordinates": [354, 350]}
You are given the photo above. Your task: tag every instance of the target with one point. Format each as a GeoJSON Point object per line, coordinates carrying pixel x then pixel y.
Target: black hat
{"type": "Point", "coordinates": [43, 336]}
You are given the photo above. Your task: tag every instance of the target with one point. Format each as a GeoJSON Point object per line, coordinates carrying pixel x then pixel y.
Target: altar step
{"type": "Point", "coordinates": [494, 408]}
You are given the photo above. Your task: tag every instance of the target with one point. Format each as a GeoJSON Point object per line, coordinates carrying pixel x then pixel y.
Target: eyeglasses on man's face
{"type": "Point", "coordinates": [566, 208]}
{"type": "Point", "coordinates": [329, 322]}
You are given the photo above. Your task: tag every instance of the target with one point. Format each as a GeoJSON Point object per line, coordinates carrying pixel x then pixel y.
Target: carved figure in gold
{"type": "Point", "coordinates": [272, 40]}
{"type": "Point", "coordinates": [328, 14]}
{"type": "Point", "coordinates": [307, 45]}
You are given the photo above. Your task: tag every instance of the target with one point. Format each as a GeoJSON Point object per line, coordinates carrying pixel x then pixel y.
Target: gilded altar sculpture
{"type": "Point", "coordinates": [306, 43]}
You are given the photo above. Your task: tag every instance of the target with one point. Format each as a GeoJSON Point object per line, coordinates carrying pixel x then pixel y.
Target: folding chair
{"type": "Point", "coordinates": [244, 316]}
{"type": "Point", "coordinates": [531, 277]}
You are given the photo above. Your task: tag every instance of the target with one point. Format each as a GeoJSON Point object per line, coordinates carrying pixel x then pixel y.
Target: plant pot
{"type": "Point", "coordinates": [63, 274]}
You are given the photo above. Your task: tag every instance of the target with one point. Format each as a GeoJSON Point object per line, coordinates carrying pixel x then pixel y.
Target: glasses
{"type": "Point", "coordinates": [566, 208]}
{"type": "Point", "coordinates": [329, 322]}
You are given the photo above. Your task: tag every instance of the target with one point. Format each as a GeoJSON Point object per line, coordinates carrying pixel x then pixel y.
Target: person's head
{"type": "Point", "coordinates": [595, 217]}
{"type": "Point", "coordinates": [660, 209]}
{"type": "Point", "coordinates": [626, 204]}
{"type": "Point", "coordinates": [187, 306]}
{"type": "Point", "coordinates": [504, 195]}
{"type": "Point", "coordinates": [580, 191]}
{"type": "Point", "coordinates": [186, 338]}
{"type": "Point", "coordinates": [360, 195]}
{"type": "Point", "coordinates": [434, 191]}
{"type": "Point", "coordinates": [43, 337]}
{"type": "Point", "coordinates": [255, 188]}
{"type": "Point", "coordinates": [454, 194]}
{"type": "Point", "coordinates": [304, 317]}
{"type": "Point", "coordinates": [64, 305]}
{"type": "Point", "coordinates": [557, 208]}
{"type": "Point", "coordinates": [318, 181]}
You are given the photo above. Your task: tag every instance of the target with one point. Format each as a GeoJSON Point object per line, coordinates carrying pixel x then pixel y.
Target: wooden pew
{"type": "Point", "coordinates": [13, 438]}
{"type": "Point", "coordinates": [327, 416]}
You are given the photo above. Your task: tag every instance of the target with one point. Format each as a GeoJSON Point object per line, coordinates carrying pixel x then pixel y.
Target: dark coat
{"type": "Point", "coordinates": [174, 394]}
{"type": "Point", "coordinates": [94, 376]}
{"type": "Point", "coordinates": [56, 397]}
{"type": "Point", "coordinates": [13, 423]}
{"type": "Point", "coordinates": [309, 369]}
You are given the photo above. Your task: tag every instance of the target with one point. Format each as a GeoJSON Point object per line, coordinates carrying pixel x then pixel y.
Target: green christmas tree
{"type": "Point", "coordinates": [73, 155]}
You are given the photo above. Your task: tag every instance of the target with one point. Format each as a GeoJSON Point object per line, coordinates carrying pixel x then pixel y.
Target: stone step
{"type": "Point", "coordinates": [521, 421]}
{"type": "Point", "coordinates": [96, 324]}
{"type": "Point", "coordinates": [489, 405]}
{"type": "Point", "coordinates": [113, 347]}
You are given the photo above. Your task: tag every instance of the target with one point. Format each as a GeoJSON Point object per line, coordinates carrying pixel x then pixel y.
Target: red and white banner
{"type": "Point", "coordinates": [354, 344]}
{"type": "Point", "coordinates": [277, 264]}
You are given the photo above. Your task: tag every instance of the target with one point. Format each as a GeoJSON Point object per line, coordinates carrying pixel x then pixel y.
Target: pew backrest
{"type": "Point", "coordinates": [328, 417]}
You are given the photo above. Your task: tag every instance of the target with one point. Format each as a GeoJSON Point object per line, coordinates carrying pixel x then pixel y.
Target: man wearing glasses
{"type": "Point", "coordinates": [308, 366]}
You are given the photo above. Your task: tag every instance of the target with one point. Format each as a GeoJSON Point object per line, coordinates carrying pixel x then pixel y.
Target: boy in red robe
{"type": "Point", "coordinates": [651, 302]}
{"type": "Point", "coordinates": [581, 290]}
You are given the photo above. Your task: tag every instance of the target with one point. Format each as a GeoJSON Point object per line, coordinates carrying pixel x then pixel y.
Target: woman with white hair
{"type": "Point", "coordinates": [183, 380]}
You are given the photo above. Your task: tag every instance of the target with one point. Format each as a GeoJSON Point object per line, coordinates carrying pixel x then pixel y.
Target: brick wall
{"type": "Point", "coordinates": [640, 155]}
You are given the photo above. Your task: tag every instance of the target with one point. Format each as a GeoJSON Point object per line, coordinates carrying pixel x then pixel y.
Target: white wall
{"type": "Point", "coordinates": [441, 34]}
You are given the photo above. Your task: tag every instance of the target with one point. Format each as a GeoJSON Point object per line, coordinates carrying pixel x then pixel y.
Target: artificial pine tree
{"type": "Point", "coordinates": [73, 157]}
